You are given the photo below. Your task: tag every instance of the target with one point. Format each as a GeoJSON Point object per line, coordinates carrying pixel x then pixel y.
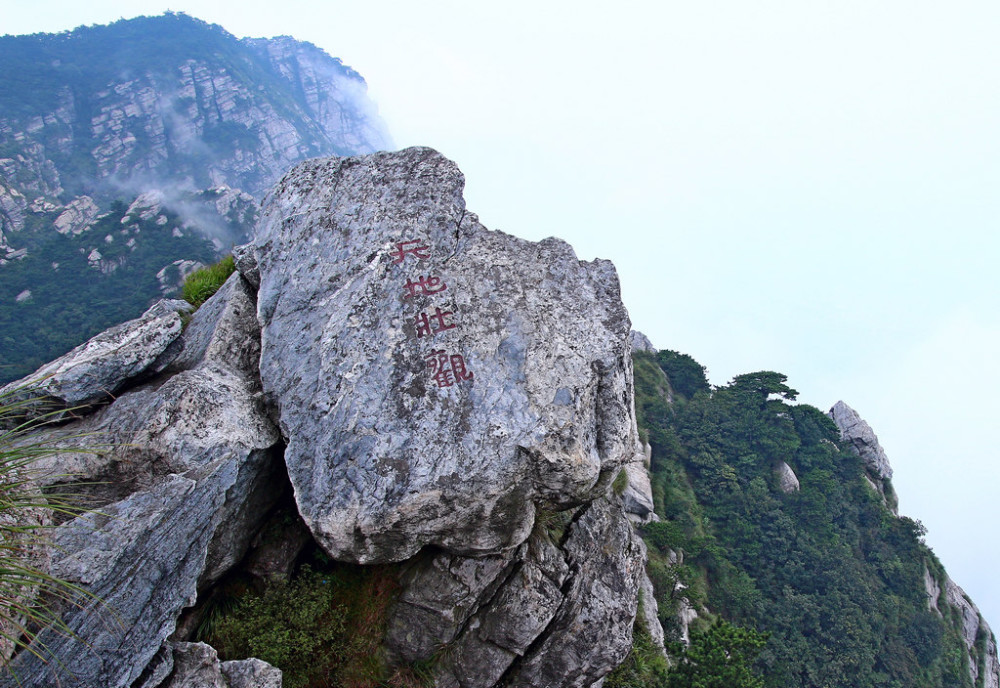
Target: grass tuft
{"type": "Point", "coordinates": [201, 284]}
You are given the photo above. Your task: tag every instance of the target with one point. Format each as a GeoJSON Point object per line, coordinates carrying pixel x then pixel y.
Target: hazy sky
{"type": "Point", "coordinates": [802, 186]}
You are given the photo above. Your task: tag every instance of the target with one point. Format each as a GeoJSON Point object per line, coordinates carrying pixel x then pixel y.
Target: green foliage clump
{"type": "Point", "coordinates": [324, 627]}
{"type": "Point", "coordinates": [201, 284]}
{"type": "Point", "coordinates": [720, 657]}
{"type": "Point", "coordinates": [686, 375]}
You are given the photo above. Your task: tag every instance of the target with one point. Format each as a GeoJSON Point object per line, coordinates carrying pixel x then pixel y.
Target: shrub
{"type": "Point", "coordinates": [324, 627]}
{"type": "Point", "coordinates": [201, 284]}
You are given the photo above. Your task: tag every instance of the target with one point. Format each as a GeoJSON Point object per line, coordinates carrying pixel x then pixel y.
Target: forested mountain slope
{"type": "Point", "coordinates": [139, 148]}
{"type": "Point", "coordinates": [777, 522]}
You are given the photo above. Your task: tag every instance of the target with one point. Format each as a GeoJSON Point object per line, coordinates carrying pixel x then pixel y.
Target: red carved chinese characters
{"type": "Point", "coordinates": [447, 369]}
{"type": "Point", "coordinates": [423, 285]}
{"type": "Point", "coordinates": [426, 324]}
{"type": "Point", "coordinates": [413, 247]}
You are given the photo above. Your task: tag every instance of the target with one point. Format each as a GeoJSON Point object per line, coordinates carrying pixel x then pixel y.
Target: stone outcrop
{"type": "Point", "coordinates": [980, 643]}
{"type": "Point", "coordinates": [94, 371]}
{"type": "Point", "coordinates": [861, 439]}
{"type": "Point", "coordinates": [479, 445]}
{"type": "Point", "coordinates": [640, 342]}
{"type": "Point", "coordinates": [436, 381]}
{"type": "Point", "coordinates": [184, 474]}
{"type": "Point", "coordinates": [788, 482]}
{"type": "Point", "coordinates": [197, 665]}
{"type": "Point", "coordinates": [548, 615]}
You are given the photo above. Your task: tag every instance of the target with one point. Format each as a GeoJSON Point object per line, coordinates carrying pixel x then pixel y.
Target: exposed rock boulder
{"type": "Point", "coordinates": [450, 396]}
{"type": "Point", "coordinates": [640, 342]}
{"type": "Point", "coordinates": [77, 216]}
{"type": "Point", "coordinates": [861, 439]}
{"type": "Point", "coordinates": [94, 371]}
{"type": "Point", "coordinates": [637, 498]}
{"type": "Point", "coordinates": [434, 380]}
{"type": "Point", "coordinates": [543, 616]}
{"type": "Point", "coordinates": [197, 665]}
{"type": "Point", "coordinates": [787, 480]}
{"type": "Point", "coordinates": [187, 475]}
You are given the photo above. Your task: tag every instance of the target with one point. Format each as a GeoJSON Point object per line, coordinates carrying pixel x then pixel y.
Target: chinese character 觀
{"type": "Point", "coordinates": [446, 370]}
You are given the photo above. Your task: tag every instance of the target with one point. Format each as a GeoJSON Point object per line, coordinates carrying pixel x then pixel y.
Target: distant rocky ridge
{"type": "Point", "coordinates": [437, 393]}
{"type": "Point", "coordinates": [171, 116]}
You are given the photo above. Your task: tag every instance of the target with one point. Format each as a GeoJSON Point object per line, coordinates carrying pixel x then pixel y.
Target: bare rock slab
{"type": "Point", "coordinates": [434, 380]}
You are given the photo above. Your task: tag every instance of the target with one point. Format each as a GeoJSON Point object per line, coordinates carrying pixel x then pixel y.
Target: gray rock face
{"type": "Point", "coordinates": [434, 380]}
{"type": "Point", "coordinates": [96, 370]}
{"type": "Point", "coordinates": [545, 615]}
{"type": "Point", "coordinates": [640, 342]}
{"type": "Point", "coordinates": [787, 480]}
{"type": "Point", "coordinates": [197, 665]}
{"type": "Point", "coordinates": [450, 396]}
{"type": "Point", "coordinates": [637, 498]}
{"type": "Point", "coordinates": [984, 666]}
{"type": "Point", "coordinates": [189, 474]}
{"type": "Point", "coordinates": [861, 439]}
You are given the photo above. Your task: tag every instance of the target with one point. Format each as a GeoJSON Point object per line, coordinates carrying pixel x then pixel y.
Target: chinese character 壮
{"type": "Point", "coordinates": [426, 323]}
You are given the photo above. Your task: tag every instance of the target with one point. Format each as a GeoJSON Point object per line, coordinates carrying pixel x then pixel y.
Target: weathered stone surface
{"type": "Point", "coordinates": [984, 666]}
{"type": "Point", "coordinates": [787, 480]}
{"type": "Point", "coordinates": [385, 461]}
{"type": "Point", "coordinates": [860, 438]}
{"type": "Point", "coordinates": [94, 371]}
{"type": "Point", "coordinates": [246, 264]}
{"type": "Point", "coordinates": [592, 631]}
{"type": "Point", "coordinates": [189, 475]}
{"type": "Point", "coordinates": [640, 342]}
{"type": "Point", "coordinates": [486, 619]}
{"type": "Point", "coordinates": [637, 499]}
{"type": "Point", "coordinates": [251, 673]}
{"type": "Point", "coordinates": [649, 613]}
{"type": "Point", "coordinates": [77, 217]}
{"type": "Point", "coordinates": [197, 665]}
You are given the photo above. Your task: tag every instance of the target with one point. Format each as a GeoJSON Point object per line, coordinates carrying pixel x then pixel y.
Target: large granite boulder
{"type": "Point", "coordinates": [434, 380]}
{"type": "Point", "coordinates": [440, 394]}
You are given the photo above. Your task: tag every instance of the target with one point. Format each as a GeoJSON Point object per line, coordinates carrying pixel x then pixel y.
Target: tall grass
{"type": "Point", "coordinates": [201, 284]}
{"type": "Point", "coordinates": [29, 595]}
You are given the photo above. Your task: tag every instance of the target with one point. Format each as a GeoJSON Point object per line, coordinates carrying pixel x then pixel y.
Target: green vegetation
{"type": "Point", "coordinates": [201, 284]}
{"type": "Point", "coordinates": [322, 628]}
{"type": "Point", "coordinates": [828, 573]}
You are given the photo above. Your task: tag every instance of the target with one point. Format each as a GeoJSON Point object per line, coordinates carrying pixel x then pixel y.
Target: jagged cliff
{"type": "Point", "coordinates": [176, 120]}
{"type": "Point", "coordinates": [394, 381]}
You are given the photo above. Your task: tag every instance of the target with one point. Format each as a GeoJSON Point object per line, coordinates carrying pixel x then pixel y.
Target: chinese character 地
{"type": "Point", "coordinates": [423, 285]}
{"type": "Point", "coordinates": [413, 247]}
{"type": "Point", "coordinates": [446, 370]}
{"type": "Point", "coordinates": [426, 323]}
